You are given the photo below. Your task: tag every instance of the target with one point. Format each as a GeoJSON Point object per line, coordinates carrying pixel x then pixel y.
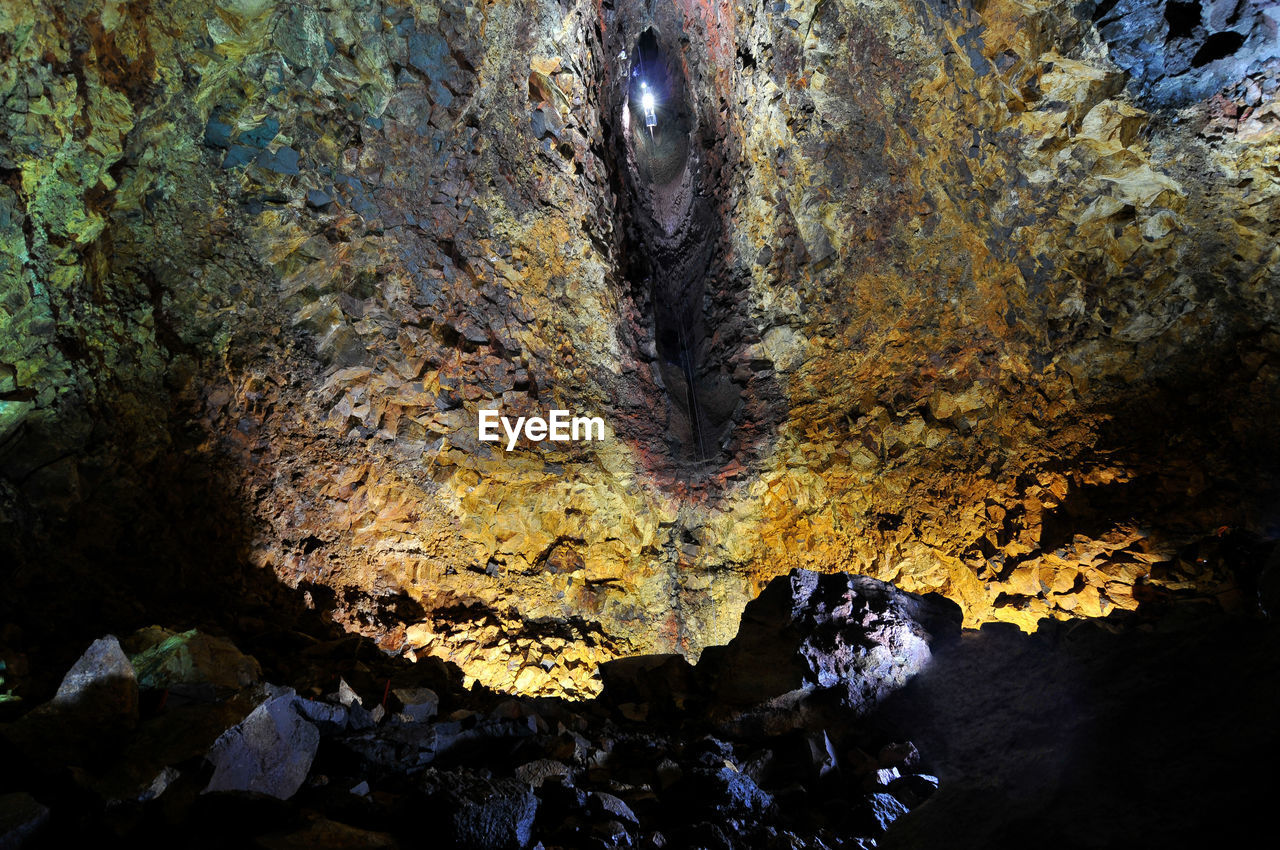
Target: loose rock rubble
{"type": "Point", "coordinates": [712, 767]}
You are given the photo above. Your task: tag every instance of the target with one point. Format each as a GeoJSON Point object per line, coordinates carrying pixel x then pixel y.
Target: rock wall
{"type": "Point", "coordinates": [962, 297]}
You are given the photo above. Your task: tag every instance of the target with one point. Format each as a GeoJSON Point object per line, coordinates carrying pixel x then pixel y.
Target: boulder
{"type": "Point", "coordinates": [269, 752]}
{"type": "Point", "coordinates": [809, 631]}
{"type": "Point", "coordinates": [899, 754]}
{"type": "Point", "coordinates": [165, 659]}
{"type": "Point", "coordinates": [913, 789]}
{"type": "Point", "coordinates": [90, 716]}
{"type": "Point", "coordinates": [662, 683]}
{"type": "Point", "coordinates": [612, 807]}
{"type": "Point", "coordinates": [102, 682]}
{"type": "Point", "coordinates": [535, 773]}
{"type": "Point", "coordinates": [474, 812]}
{"type": "Point", "coordinates": [723, 791]}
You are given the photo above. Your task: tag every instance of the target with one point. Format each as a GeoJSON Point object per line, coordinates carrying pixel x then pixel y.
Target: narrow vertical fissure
{"type": "Point", "coordinates": [704, 398]}
{"type": "Point", "coordinates": [673, 232]}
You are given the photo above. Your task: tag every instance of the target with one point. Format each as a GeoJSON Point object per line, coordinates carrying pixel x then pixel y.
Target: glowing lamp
{"type": "Point", "coordinates": [647, 104]}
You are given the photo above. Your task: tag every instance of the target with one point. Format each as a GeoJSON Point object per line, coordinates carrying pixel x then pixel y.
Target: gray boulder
{"type": "Point", "coordinates": [102, 681]}
{"type": "Point", "coordinates": [269, 752]}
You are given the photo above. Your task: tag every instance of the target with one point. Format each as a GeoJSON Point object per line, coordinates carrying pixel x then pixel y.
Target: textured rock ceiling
{"type": "Point", "coordinates": [979, 299]}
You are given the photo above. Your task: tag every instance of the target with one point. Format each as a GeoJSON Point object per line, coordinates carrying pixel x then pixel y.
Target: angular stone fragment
{"type": "Point", "coordinates": [269, 752]}
{"type": "Point", "coordinates": [880, 779]}
{"type": "Point", "coordinates": [327, 716]}
{"type": "Point", "coordinates": [822, 756]}
{"type": "Point", "coordinates": [476, 813]}
{"type": "Point", "coordinates": [876, 812]}
{"type": "Point", "coordinates": [913, 789]}
{"type": "Point", "coordinates": [417, 704]}
{"type": "Point", "coordinates": [535, 773]}
{"type": "Point", "coordinates": [725, 790]}
{"type": "Point", "coordinates": [614, 807]}
{"type": "Point", "coordinates": [902, 754]}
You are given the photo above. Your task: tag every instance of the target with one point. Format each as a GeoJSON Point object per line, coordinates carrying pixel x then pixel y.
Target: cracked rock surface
{"type": "Point", "coordinates": [976, 298]}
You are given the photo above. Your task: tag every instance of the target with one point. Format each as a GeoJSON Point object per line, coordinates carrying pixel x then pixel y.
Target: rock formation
{"type": "Point", "coordinates": [979, 299]}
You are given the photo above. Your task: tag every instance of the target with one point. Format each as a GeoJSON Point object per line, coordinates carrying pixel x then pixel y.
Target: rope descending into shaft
{"type": "Point", "coordinates": [695, 411]}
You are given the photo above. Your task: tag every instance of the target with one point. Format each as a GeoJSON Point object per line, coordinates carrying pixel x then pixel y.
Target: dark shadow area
{"type": "Point", "coordinates": [1133, 731]}
{"type": "Point", "coordinates": [165, 544]}
{"type": "Point", "coordinates": [1199, 439]}
{"type": "Point", "coordinates": [1183, 18]}
{"type": "Point", "coordinates": [1220, 45]}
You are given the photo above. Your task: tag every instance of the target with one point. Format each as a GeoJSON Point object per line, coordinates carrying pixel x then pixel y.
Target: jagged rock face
{"type": "Point", "coordinates": [807, 632]}
{"type": "Point", "coordinates": [1181, 51]}
{"type": "Point", "coordinates": [936, 295]}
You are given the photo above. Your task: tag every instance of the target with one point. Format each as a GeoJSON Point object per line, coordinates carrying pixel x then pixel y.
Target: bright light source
{"type": "Point", "coordinates": [647, 104]}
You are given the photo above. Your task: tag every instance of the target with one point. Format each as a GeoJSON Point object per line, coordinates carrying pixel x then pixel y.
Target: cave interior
{"type": "Point", "coordinates": [936, 347]}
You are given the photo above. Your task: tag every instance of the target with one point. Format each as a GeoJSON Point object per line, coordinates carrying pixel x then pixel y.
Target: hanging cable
{"type": "Point", "coordinates": [691, 394]}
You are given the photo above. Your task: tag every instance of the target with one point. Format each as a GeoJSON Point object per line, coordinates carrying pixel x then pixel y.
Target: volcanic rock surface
{"type": "Point", "coordinates": [977, 298]}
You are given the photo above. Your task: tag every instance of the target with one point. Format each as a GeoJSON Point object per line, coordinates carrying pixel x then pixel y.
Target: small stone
{"type": "Point", "coordinates": [913, 789]}
{"type": "Point", "coordinates": [419, 704]}
{"type": "Point", "coordinates": [535, 773]}
{"type": "Point", "coordinates": [822, 756]}
{"type": "Point", "coordinates": [346, 694]}
{"type": "Point", "coordinates": [614, 806]}
{"type": "Point", "coordinates": [902, 754]}
{"type": "Point", "coordinates": [876, 812]}
{"type": "Point", "coordinates": [880, 779]}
